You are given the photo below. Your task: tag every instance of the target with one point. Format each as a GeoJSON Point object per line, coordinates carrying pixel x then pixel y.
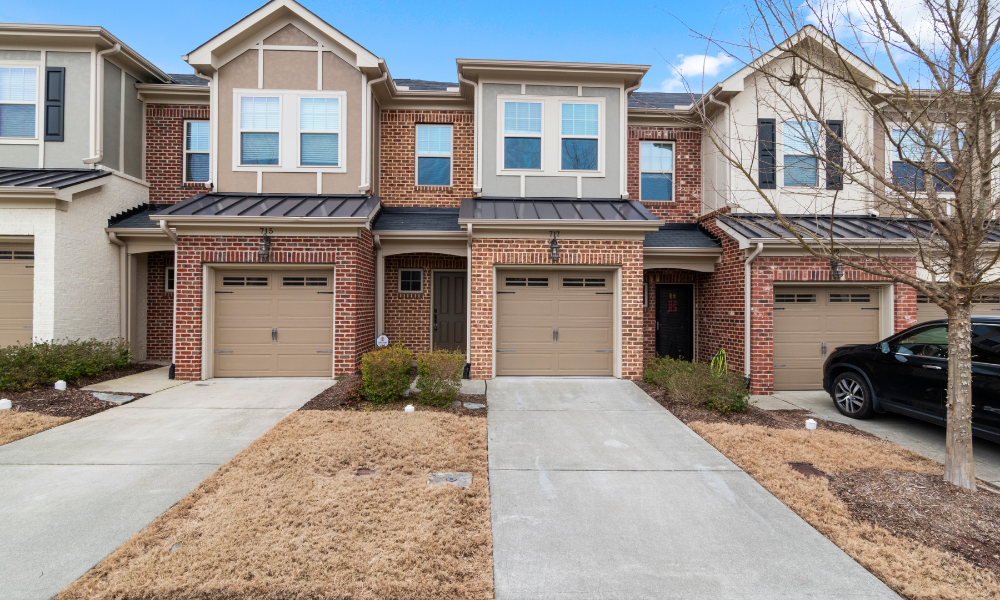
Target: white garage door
{"type": "Point", "coordinates": [273, 324]}
{"type": "Point", "coordinates": [17, 281]}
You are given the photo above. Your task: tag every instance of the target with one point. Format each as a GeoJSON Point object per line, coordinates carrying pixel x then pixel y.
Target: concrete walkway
{"type": "Point", "coordinates": [70, 495]}
{"type": "Point", "coordinates": [919, 436]}
{"type": "Point", "coordinates": [598, 492]}
{"type": "Point", "coordinates": [147, 382]}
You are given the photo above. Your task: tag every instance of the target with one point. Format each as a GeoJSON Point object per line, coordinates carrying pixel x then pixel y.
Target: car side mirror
{"type": "Point", "coordinates": [883, 347]}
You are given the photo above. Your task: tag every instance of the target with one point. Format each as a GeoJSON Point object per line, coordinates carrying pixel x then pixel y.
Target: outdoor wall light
{"type": "Point", "coordinates": [836, 270]}
{"type": "Point", "coordinates": [265, 248]}
{"type": "Point", "coordinates": [554, 246]}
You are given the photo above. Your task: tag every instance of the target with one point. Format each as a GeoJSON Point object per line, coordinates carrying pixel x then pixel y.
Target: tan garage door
{"type": "Point", "coordinates": [17, 276]}
{"type": "Point", "coordinates": [273, 324]}
{"type": "Point", "coordinates": [987, 304]}
{"type": "Point", "coordinates": [809, 322]}
{"type": "Point", "coordinates": [555, 323]}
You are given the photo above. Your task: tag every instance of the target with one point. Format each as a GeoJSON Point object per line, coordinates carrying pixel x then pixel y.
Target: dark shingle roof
{"type": "Point", "coordinates": [420, 85]}
{"type": "Point", "coordinates": [417, 219]}
{"type": "Point", "coordinates": [681, 235]}
{"type": "Point", "coordinates": [53, 178]}
{"type": "Point", "coordinates": [137, 217]}
{"type": "Point", "coordinates": [274, 205]}
{"type": "Point", "coordinates": [596, 209]}
{"type": "Point", "coordinates": [839, 226]}
{"type": "Point", "coordinates": [653, 100]}
{"type": "Point", "coordinates": [186, 79]}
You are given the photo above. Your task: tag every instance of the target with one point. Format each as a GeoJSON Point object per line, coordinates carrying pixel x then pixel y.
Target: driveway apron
{"type": "Point", "coordinates": [598, 492]}
{"type": "Point", "coordinates": [72, 494]}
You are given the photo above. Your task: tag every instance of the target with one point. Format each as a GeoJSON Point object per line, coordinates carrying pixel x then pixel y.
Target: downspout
{"type": "Point", "coordinates": [746, 306]}
{"type": "Point", "coordinates": [173, 350]}
{"type": "Point", "coordinates": [366, 167]}
{"type": "Point", "coordinates": [99, 104]}
{"type": "Point", "coordinates": [167, 232]}
{"type": "Point", "coordinates": [379, 286]}
{"type": "Point", "coordinates": [725, 115]}
{"type": "Point", "coordinates": [623, 162]}
{"type": "Point", "coordinates": [123, 284]}
{"type": "Point", "coordinates": [468, 302]}
{"type": "Point", "coordinates": [477, 187]}
{"type": "Point", "coordinates": [211, 149]}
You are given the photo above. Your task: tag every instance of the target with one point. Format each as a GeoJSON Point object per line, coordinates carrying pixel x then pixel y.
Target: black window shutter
{"type": "Point", "coordinates": [768, 157]}
{"type": "Point", "coordinates": [835, 157]}
{"type": "Point", "coordinates": [55, 99]}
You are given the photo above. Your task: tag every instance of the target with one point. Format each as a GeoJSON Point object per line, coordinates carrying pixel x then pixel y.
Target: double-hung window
{"type": "Point", "coordinates": [522, 135]}
{"type": "Point", "coordinates": [319, 131]}
{"type": "Point", "coordinates": [434, 155]}
{"type": "Point", "coordinates": [909, 145]}
{"type": "Point", "coordinates": [801, 167]}
{"type": "Point", "coordinates": [656, 165]}
{"type": "Point", "coordinates": [197, 144]}
{"type": "Point", "coordinates": [18, 101]}
{"type": "Point", "coordinates": [260, 123]}
{"type": "Point", "coordinates": [579, 132]}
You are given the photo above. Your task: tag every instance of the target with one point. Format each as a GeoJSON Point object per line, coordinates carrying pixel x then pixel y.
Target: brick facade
{"type": "Point", "coordinates": [353, 259]}
{"type": "Point", "coordinates": [490, 253]}
{"type": "Point", "coordinates": [407, 317]}
{"type": "Point", "coordinates": [165, 151]}
{"type": "Point", "coordinates": [686, 206]}
{"type": "Point", "coordinates": [159, 307]}
{"type": "Point", "coordinates": [398, 147]}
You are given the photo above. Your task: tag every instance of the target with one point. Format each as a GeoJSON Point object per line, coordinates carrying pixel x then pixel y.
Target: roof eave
{"type": "Point", "coordinates": [648, 226]}
{"type": "Point", "coordinates": [420, 233]}
{"type": "Point", "coordinates": [685, 250]}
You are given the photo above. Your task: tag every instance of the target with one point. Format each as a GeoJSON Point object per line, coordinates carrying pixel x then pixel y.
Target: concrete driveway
{"type": "Point", "coordinates": [919, 436]}
{"type": "Point", "coordinates": [73, 494]}
{"type": "Point", "coordinates": [599, 492]}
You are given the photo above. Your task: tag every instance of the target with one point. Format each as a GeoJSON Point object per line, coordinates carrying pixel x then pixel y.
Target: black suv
{"type": "Point", "coordinates": [907, 373]}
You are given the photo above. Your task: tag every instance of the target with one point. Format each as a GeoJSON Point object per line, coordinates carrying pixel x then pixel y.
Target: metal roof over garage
{"type": "Point", "coordinates": [393, 218]}
{"type": "Point", "coordinates": [51, 178]}
{"type": "Point", "coordinates": [275, 206]}
{"type": "Point", "coordinates": [681, 235]}
{"type": "Point", "coordinates": [839, 227]}
{"type": "Point", "coordinates": [554, 209]}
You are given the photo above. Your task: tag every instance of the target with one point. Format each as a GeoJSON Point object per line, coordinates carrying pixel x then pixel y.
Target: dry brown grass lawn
{"type": "Point", "coordinates": [912, 569]}
{"type": "Point", "coordinates": [15, 425]}
{"type": "Point", "coordinates": [288, 518]}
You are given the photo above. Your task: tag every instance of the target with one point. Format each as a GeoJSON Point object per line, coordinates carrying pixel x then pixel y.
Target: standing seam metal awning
{"type": "Point", "coordinates": [273, 205]}
{"type": "Point", "coordinates": [570, 209]}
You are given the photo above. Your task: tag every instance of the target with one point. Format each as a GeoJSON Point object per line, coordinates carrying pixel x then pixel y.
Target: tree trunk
{"type": "Point", "coordinates": [958, 467]}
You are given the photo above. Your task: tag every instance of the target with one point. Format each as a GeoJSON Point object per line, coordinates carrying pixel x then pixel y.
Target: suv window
{"type": "Point", "coordinates": [932, 342]}
{"type": "Point", "coordinates": [986, 344]}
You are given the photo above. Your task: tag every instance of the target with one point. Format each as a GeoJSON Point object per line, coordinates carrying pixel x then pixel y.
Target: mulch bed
{"type": "Point", "coordinates": [334, 399]}
{"type": "Point", "coordinates": [72, 402]}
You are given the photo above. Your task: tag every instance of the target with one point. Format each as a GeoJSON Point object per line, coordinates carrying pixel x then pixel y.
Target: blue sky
{"type": "Point", "coordinates": [422, 40]}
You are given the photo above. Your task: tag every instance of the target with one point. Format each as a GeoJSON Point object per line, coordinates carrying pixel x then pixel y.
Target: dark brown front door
{"type": "Point", "coordinates": [449, 311]}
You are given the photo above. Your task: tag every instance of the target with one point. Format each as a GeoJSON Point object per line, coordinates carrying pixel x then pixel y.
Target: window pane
{"type": "Point", "coordinates": [259, 149]}
{"type": "Point", "coordinates": [579, 119]}
{"type": "Point", "coordinates": [259, 113]}
{"type": "Point", "coordinates": [800, 170]}
{"type": "Point", "coordinates": [522, 117]}
{"type": "Point", "coordinates": [197, 167]}
{"type": "Point", "coordinates": [929, 342]}
{"type": "Point", "coordinates": [657, 186]}
{"type": "Point", "coordinates": [18, 84]}
{"type": "Point", "coordinates": [17, 120]}
{"type": "Point", "coordinates": [912, 148]}
{"type": "Point", "coordinates": [319, 114]}
{"type": "Point", "coordinates": [433, 171]}
{"type": "Point", "coordinates": [801, 137]}
{"type": "Point", "coordinates": [522, 153]}
{"type": "Point", "coordinates": [986, 344]}
{"type": "Point", "coordinates": [434, 140]}
{"type": "Point", "coordinates": [320, 149]}
{"type": "Point", "coordinates": [579, 154]}
{"type": "Point", "coordinates": [656, 157]}
{"type": "Point", "coordinates": [911, 178]}
{"type": "Point", "coordinates": [410, 281]}
{"type": "Point", "coordinates": [198, 136]}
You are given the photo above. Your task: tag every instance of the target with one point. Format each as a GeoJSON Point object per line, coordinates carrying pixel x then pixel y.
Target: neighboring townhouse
{"type": "Point", "coordinates": [294, 200]}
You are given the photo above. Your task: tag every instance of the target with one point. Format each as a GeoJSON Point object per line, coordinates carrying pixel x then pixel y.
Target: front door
{"type": "Point", "coordinates": [675, 321]}
{"type": "Point", "coordinates": [449, 311]}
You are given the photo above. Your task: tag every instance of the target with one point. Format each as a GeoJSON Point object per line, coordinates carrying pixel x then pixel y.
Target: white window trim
{"type": "Point", "coordinates": [820, 168]}
{"type": "Point", "coordinates": [289, 150]}
{"type": "Point", "coordinates": [417, 156]}
{"type": "Point", "coordinates": [340, 130]}
{"type": "Point", "coordinates": [39, 91]}
{"type": "Point", "coordinates": [673, 180]}
{"type": "Point", "coordinates": [599, 137]}
{"type": "Point", "coordinates": [501, 112]}
{"type": "Point", "coordinates": [167, 279]}
{"type": "Point", "coordinates": [184, 166]}
{"type": "Point", "coordinates": [890, 157]}
{"type": "Point", "coordinates": [399, 282]}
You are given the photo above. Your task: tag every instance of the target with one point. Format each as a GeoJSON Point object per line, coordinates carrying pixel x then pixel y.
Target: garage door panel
{"type": "Point", "coordinates": [244, 363]}
{"type": "Point", "coordinates": [238, 307]}
{"type": "Point", "coordinates": [17, 277]}
{"type": "Point", "coordinates": [581, 363]}
{"type": "Point", "coordinates": [301, 364]}
{"type": "Point", "coordinates": [315, 336]}
{"type": "Point", "coordinates": [230, 336]}
{"type": "Point", "coordinates": [525, 363]}
{"type": "Point", "coordinates": [792, 350]}
{"type": "Point", "coordinates": [598, 308]}
{"type": "Point", "coordinates": [861, 324]}
{"type": "Point", "coordinates": [586, 335]}
{"type": "Point", "coordinates": [517, 307]}
{"type": "Point", "coordinates": [298, 309]}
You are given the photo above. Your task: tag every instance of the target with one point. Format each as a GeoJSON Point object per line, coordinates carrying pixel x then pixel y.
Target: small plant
{"type": "Point", "coordinates": [700, 384]}
{"type": "Point", "coordinates": [385, 373]}
{"type": "Point", "coordinates": [354, 392]}
{"type": "Point", "coordinates": [439, 376]}
{"type": "Point", "coordinates": [43, 363]}
{"type": "Point", "coordinates": [720, 364]}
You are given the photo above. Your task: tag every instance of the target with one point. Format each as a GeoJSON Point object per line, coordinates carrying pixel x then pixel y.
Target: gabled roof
{"type": "Point", "coordinates": [661, 100]}
{"type": "Point", "coordinates": [137, 217]}
{"type": "Point", "coordinates": [681, 235]}
{"type": "Point", "coordinates": [393, 218]}
{"type": "Point", "coordinates": [48, 178]}
{"type": "Point", "coordinates": [271, 206]}
{"type": "Point", "coordinates": [554, 209]}
{"type": "Point", "coordinates": [187, 79]}
{"type": "Point", "coordinates": [420, 85]}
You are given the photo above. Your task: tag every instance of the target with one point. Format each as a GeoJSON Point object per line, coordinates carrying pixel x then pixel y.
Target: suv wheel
{"type": "Point", "coordinates": [852, 395]}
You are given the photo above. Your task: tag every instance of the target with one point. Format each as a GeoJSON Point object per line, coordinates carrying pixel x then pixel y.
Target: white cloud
{"type": "Point", "coordinates": [696, 70]}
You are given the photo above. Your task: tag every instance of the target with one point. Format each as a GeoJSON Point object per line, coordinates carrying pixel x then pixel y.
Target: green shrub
{"type": "Point", "coordinates": [385, 373]}
{"type": "Point", "coordinates": [698, 384]}
{"type": "Point", "coordinates": [439, 376]}
{"type": "Point", "coordinates": [42, 364]}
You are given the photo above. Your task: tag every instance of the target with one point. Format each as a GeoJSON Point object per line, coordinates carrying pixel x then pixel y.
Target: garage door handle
{"type": "Point", "coordinates": [935, 367]}
{"type": "Point", "coordinates": [555, 335]}
{"type": "Point", "coordinates": [506, 350]}
{"type": "Point", "coordinates": [274, 334]}
{"type": "Point", "coordinates": [223, 351]}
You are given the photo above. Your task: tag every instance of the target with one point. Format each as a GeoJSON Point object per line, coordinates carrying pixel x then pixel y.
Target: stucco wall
{"type": "Point", "coordinates": [111, 116]}
{"type": "Point", "coordinates": [69, 153]}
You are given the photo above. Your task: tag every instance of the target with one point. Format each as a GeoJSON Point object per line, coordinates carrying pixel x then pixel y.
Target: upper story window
{"type": "Point", "coordinates": [522, 135]}
{"type": "Point", "coordinates": [656, 166]}
{"type": "Point", "coordinates": [434, 155]}
{"type": "Point", "coordinates": [801, 145]}
{"type": "Point", "coordinates": [260, 126]}
{"type": "Point", "coordinates": [319, 128]}
{"type": "Point", "coordinates": [580, 129]}
{"type": "Point", "coordinates": [197, 144]}
{"type": "Point", "coordinates": [18, 101]}
{"type": "Point", "coordinates": [908, 145]}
